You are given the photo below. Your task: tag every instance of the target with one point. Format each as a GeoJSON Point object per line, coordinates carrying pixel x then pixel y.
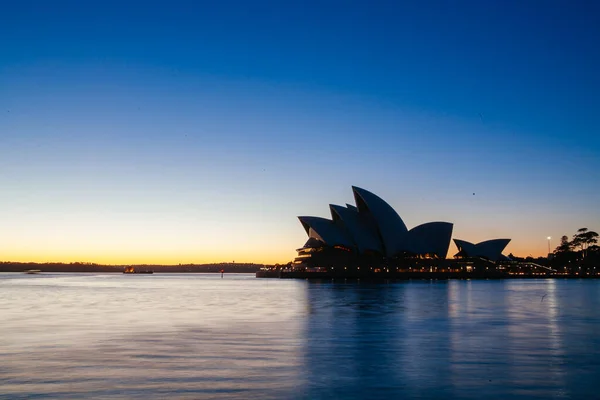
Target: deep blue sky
{"type": "Point", "coordinates": [192, 131]}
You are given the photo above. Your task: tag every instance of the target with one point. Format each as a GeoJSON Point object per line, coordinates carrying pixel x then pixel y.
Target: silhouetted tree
{"type": "Point", "coordinates": [564, 256]}
{"type": "Point", "coordinates": [565, 246]}
{"type": "Point", "coordinates": [583, 239]}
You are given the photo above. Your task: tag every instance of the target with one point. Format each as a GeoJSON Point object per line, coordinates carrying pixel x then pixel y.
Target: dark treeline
{"type": "Point", "coordinates": [579, 253]}
{"type": "Point", "coordinates": [8, 266]}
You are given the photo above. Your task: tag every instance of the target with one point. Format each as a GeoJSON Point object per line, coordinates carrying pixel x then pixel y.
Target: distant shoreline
{"type": "Point", "coordinates": [100, 268]}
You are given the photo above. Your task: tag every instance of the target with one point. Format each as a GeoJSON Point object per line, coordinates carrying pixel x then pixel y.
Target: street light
{"type": "Point", "coordinates": [549, 244]}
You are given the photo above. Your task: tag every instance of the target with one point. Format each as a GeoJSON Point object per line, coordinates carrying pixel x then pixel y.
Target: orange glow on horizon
{"type": "Point", "coordinates": [164, 259]}
{"type": "Point", "coordinates": [189, 257]}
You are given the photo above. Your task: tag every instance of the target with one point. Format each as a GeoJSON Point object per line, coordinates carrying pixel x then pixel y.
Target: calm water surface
{"type": "Point", "coordinates": [113, 336]}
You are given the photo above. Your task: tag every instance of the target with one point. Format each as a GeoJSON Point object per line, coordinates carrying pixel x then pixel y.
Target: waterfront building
{"type": "Point", "coordinates": [489, 249]}
{"type": "Point", "coordinates": [371, 235]}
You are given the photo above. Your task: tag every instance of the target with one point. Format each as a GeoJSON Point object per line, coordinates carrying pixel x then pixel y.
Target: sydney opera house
{"type": "Point", "coordinates": [371, 235]}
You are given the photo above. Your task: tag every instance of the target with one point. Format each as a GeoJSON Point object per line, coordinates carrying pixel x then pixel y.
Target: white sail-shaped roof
{"type": "Point", "coordinates": [313, 242]}
{"type": "Point", "coordinates": [490, 249]}
{"type": "Point", "coordinates": [326, 231]}
{"type": "Point", "coordinates": [430, 238]}
{"type": "Point", "coordinates": [389, 224]}
{"type": "Point", "coordinates": [374, 226]}
{"type": "Point", "coordinates": [365, 238]}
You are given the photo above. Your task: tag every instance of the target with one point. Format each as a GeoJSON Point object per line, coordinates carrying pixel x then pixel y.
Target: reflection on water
{"type": "Point", "coordinates": [199, 336]}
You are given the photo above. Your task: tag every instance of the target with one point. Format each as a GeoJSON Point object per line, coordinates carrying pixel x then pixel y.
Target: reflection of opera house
{"type": "Point", "coordinates": [372, 236]}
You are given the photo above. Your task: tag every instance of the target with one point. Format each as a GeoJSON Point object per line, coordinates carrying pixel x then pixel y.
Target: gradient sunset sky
{"type": "Point", "coordinates": [178, 132]}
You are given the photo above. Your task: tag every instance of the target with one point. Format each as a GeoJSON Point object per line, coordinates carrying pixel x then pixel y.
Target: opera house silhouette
{"type": "Point", "coordinates": [372, 235]}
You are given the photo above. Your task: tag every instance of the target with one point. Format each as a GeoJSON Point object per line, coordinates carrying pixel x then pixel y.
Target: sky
{"type": "Point", "coordinates": [192, 131]}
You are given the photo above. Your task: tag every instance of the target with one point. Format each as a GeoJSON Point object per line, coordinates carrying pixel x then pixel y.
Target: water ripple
{"type": "Point", "coordinates": [73, 336]}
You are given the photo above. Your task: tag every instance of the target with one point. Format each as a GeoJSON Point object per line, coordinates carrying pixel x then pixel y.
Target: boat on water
{"type": "Point", "coordinates": [131, 270]}
{"type": "Point", "coordinates": [32, 271]}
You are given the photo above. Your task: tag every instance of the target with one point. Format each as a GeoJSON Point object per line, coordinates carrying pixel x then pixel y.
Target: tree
{"type": "Point", "coordinates": [563, 254]}
{"type": "Point", "coordinates": [583, 239]}
{"type": "Point", "coordinates": [565, 246]}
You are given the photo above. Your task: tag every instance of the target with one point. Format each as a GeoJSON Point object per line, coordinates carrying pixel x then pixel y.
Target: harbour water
{"type": "Point", "coordinates": [196, 336]}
